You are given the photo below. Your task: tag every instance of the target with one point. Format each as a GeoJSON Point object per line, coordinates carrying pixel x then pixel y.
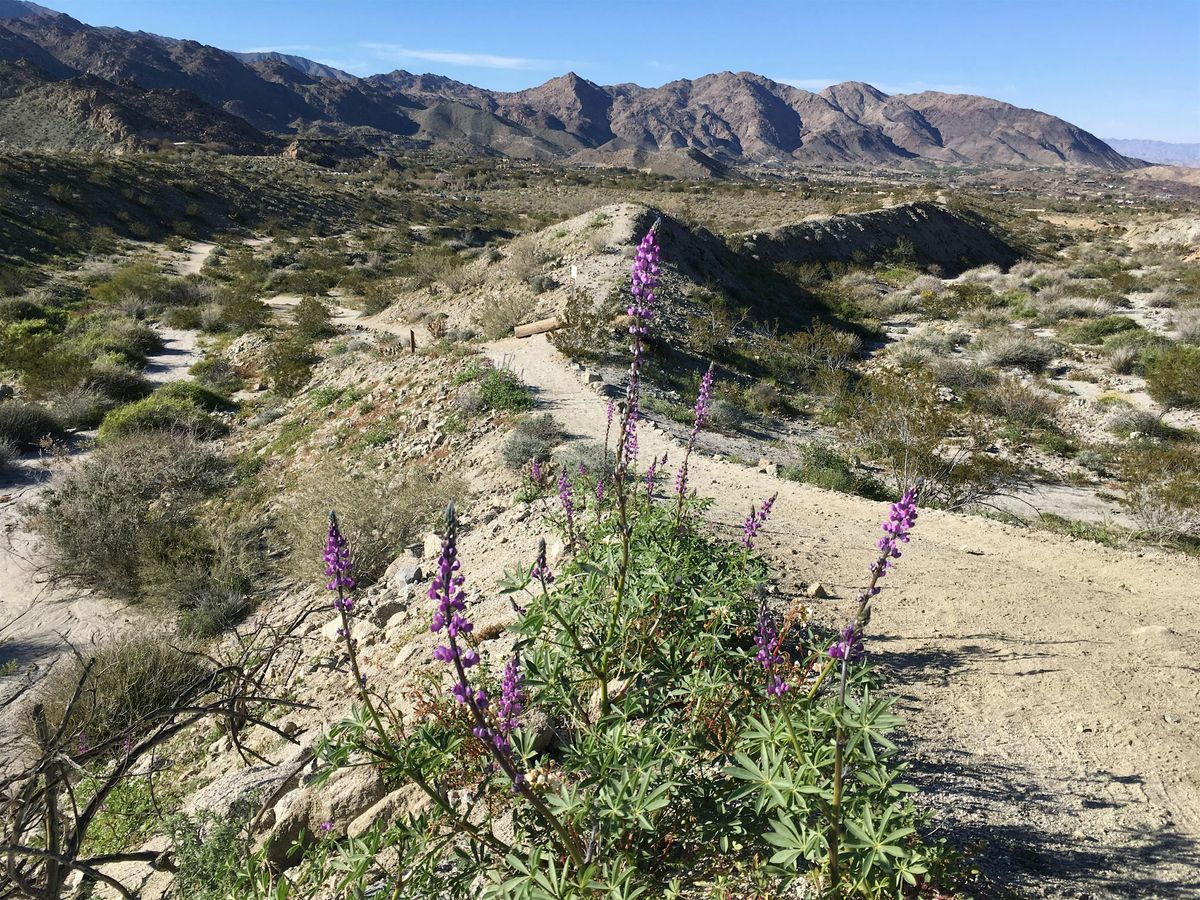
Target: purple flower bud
{"type": "Point", "coordinates": [755, 521]}
{"type": "Point", "coordinates": [541, 571]}
{"type": "Point", "coordinates": [849, 645]}
{"type": "Point", "coordinates": [566, 496]}
{"type": "Point", "coordinates": [337, 558]}
{"type": "Point", "coordinates": [769, 655]}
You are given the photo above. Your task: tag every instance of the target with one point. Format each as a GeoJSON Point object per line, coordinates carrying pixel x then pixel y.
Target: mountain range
{"type": "Point", "coordinates": [72, 85]}
{"type": "Point", "coordinates": [1162, 152]}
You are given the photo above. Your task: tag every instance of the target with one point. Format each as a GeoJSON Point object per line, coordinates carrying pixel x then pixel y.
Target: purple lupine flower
{"type": "Point", "coordinates": [325, 827]}
{"type": "Point", "coordinates": [768, 655]}
{"type": "Point", "coordinates": [566, 496]}
{"type": "Point", "coordinates": [609, 412]}
{"type": "Point", "coordinates": [447, 590]}
{"type": "Point", "coordinates": [700, 410]}
{"type": "Point", "coordinates": [541, 570]}
{"type": "Point", "coordinates": [643, 282]}
{"type": "Point", "coordinates": [901, 518]}
{"type": "Point", "coordinates": [599, 490]}
{"type": "Point", "coordinates": [338, 565]}
{"type": "Point", "coordinates": [755, 521]}
{"type": "Point", "coordinates": [535, 470]}
{"type": "Point", "coordinates": [849, 645]}
{"type": "Point", "coordinates": [629, 447]}
{"type": "Point", "coordinates": [582, 468]}
{"type": "Point", "coordinates": [512, 701]}
{"type": "Point", "coordinates": [651, 477]}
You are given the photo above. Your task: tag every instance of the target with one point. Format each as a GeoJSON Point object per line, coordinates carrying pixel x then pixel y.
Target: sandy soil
{"type": "Point", "coordinates": [1050, 684]}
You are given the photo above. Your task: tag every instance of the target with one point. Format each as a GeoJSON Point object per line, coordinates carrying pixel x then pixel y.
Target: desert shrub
{"type": "Point", "coordinates": [159, 412]}
{"type": "Point", "coordinates": [196, 394]}
{"type": "Point", "coordinates": [1187, 327]}
{"type": "Point", "coordinates": [1075, 308]}
{"type": "Point", "coordinates": [958, 298]}
{"type": "Point", "coordinates": [900, 421]}
{"type": "Point", "coordinates": [502, 390]}
{"type": "Point", "coordinates": [535, 437]}
{"type": "Point", "coordinates": [812, 350]}
{"type": "Point", "coordinates": [124, 681]}
{"type": "Point", "coordinates": [939, 342]}
{"type": "Point", "coordinates": [1095, 331]}
{"type": "Point", "coordinates": [240, 313]}
{"type": "Point", "coordinates": [1012, 399]}
{"type": "Point", "coordinates": [524, 258]}
{"type": "Point", "coordinates": [27, 424]}
{"type": "Point", "coordinates": [81, 407]}
{"type": "Point", "coordinates": [1173, 376]}
{"type": "Point", "coordinates": [1124, 360]}
{"type": "Point", "coordinates": [825, 467]}
{"type": "Point", "coordinates": [380, 511]}
{"type": "Point", "coordinates": [503, 313]}
{"type": "Point", "coordinates": [187, 317]}
{"type": "Point", "coordinates": [312, 319]}
{"type": "Point", "coordinates": [217, 373]}
{"type": "Point", "coordinates": [9, 454]}
{"type": "Point", "coordinates": [961, 375]}
{"type": "Point", "coordinates": [118, 383]}
{"type": "Point", "coordinates": [1010, 348]}
{"type": "Point", "coordinates": [764, 397]}
{"type": "Point", "coordinates": [585, 332]}
{"type": "Point", "coordinates": [430, 265]}
{"type": "Point", "coordinates": [1162, 489]}
{"type": "Point", "coordinates": [130, 342]}
{"type": "Point", "coordinates": [142, 281]}
{"type": "Point", "coordinates": [288, 365]}
{"type": "Point", "coordinates": [120, 501]}
{"type": "Point", "coordinates": [1125, 419]}
{"type": "Point", "coordinates": [210, 852]}
{"type": "Point", "coordinates": [726, 416]}
{"type": "Point", "coordinates": [906, 355]}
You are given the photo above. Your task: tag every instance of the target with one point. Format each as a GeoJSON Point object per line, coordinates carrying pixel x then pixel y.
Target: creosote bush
{"type": "Point", "coordinates": [535, 437]}
{"type": "Point", "coordinates": [26, 424]}
{"type": "Point", "coordinates": [1173, 376]}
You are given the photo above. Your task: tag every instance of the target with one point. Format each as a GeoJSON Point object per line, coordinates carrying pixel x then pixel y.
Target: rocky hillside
{"type": "Point", "coordinates": [89, 113]}
{"type": "Point", "coordinates": [730, 117]}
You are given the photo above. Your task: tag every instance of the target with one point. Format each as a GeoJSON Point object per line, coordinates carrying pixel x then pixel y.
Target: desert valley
{"type": "Point", "coordinates": [715, 490]}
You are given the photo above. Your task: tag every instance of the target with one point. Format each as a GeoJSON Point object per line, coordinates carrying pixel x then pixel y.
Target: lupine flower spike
{"type": "Point", "coordinates": [703, 399]}
{"type": "Point", "coordinates": [643, 282]}
{"type": "Point", "coordinates": [755, 521]}
{"type": "Point", "coordinates": [566, 496]}
{"type": "Point", "coordinates": [768, 655]}
{"type": "Point", "coordinates": [541, 571]}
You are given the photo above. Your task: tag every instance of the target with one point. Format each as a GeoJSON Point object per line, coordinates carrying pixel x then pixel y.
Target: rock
{"type": "Point", "coordinates": [593, 377]}
{"type": "Point", "coordinates": [405, 570]}
{"type": "Point", "coordinates": [816, 591]}
{"type": "Point", "coordinates": [303, 813]}
{"type": "Point", "coordinates": [432, 546]}
{"type": "Point", "coordinates": [408, 801]}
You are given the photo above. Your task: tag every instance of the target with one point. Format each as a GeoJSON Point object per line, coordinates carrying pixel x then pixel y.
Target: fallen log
{"type": "Point", "coordinates": [539, 327]}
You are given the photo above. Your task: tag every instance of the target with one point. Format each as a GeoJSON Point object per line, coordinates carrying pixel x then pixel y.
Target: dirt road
{"type": "Point", "coordinates": [1050, 685]}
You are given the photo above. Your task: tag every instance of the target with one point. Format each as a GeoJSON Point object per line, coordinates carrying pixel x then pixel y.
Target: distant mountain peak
{"type": "Point", "coordinates": [22, 9]}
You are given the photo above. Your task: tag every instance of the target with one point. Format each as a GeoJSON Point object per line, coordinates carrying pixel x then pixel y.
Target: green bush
{"type": "Point", "coordinates": [81, 408]}
{"type": "Point", "coordinates": [116, 509]}
{"type": "Point", "coordinates": [534, 438]}
{"type": "Point", "coordinates": [312, 319]}
{"type": "Point", "coordinates": [1096, 330]}
{"type": "Point", "coordinates": [26, 424]}
{"type": "Point", "coordinates": [210, 852]}
{"type": "Point", "coordinates": [129, 678]}
{"type": "Point", "coordinates": [1173, 376]}
{"type": "Point", "coordinates": [159, 413]}
{"type": "Point", "coordinates": [288, 365]}
{"type": "Point", "coordinates": [124, 339]}
{"type": "Point", "coordinates": [118, 383]}
{"type": "Point", "coordinates": [217, 373]}
{"type": "Point", "coordinates": [9, 454]}
{"type": "Point", "coordinates": [824, 467]}
{"type": "Point", "coordinates": [196, 394]}
{"type": "Point", "coordinates": [502, 390]}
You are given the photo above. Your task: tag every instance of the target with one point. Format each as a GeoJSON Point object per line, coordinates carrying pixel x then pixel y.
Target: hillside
{"type": "Point", "coordinates": [729, 117]}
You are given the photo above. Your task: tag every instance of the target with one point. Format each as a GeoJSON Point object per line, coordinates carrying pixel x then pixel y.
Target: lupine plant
{"type": "Point", "coordinates": [693, 742]}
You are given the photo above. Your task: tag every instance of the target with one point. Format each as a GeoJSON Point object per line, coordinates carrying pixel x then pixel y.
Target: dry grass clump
{"type": "Point", "coordinates": [960, 375]}
{"type": "Point", "coordinates": [1124, 360]}
{"type": "Point", "coordinates": [380, 513]}
{"type": "Point", "coordinates": [1165, 297]}
{"type": "Point", "coordinates": [1124, 419]}
{"type": "Point", "coordinates": [923, 283]}
{"type": "Point", "coordinates": [938, 342]}
{"type": "Point", "coordinates": [1013, 349]}
{"type": "Point", "coordinates": [535, 437]}
{"type": "Point", "coordinates": [27, 424]}
{"type": "Point", "coordinates": [1162, 489]}
{"type": "Point", "coordinates": [1187, 326]}
{"type": "Point", "coordinates": [128, 679]}
{"type": "Point", "coordinates": [1014, 400]}
{"type": "Point", "coordinates": [525, 258]}
{"type": "Point", "coordinates": [502, 314]}
{"type": "Point", "coordinates": [1075, 308]}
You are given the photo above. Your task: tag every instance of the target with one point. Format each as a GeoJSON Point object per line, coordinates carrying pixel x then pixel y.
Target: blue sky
{"type": "Point", "coordinates": [1119, 68]}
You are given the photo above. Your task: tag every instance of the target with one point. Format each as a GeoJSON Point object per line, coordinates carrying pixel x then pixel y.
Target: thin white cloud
{"type": "Point", "coordinates": [809, 84]}
{"type": "Point", "coordinates": [451, 58]}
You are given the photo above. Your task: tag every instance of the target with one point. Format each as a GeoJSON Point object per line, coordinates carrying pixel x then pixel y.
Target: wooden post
{"type": "Point", "coordinates": [412, 341]}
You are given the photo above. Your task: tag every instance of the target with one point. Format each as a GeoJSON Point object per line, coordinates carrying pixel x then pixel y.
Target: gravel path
{"type": "Point", "coordinates": [1050, 684]}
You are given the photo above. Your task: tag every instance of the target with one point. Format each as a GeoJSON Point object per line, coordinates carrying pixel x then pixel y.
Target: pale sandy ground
{"type": "Point", "coordinates": [1050, 685]}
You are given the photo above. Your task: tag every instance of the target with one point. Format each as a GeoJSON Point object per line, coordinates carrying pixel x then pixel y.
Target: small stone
{"type": "Point", "coordinates": [816, 591]}
{"type": "Point", "coordinates": [432, 547]}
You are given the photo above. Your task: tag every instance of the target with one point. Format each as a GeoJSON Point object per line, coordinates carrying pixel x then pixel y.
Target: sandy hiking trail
{"type": "Point", "coordinates": [1050, 685]}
